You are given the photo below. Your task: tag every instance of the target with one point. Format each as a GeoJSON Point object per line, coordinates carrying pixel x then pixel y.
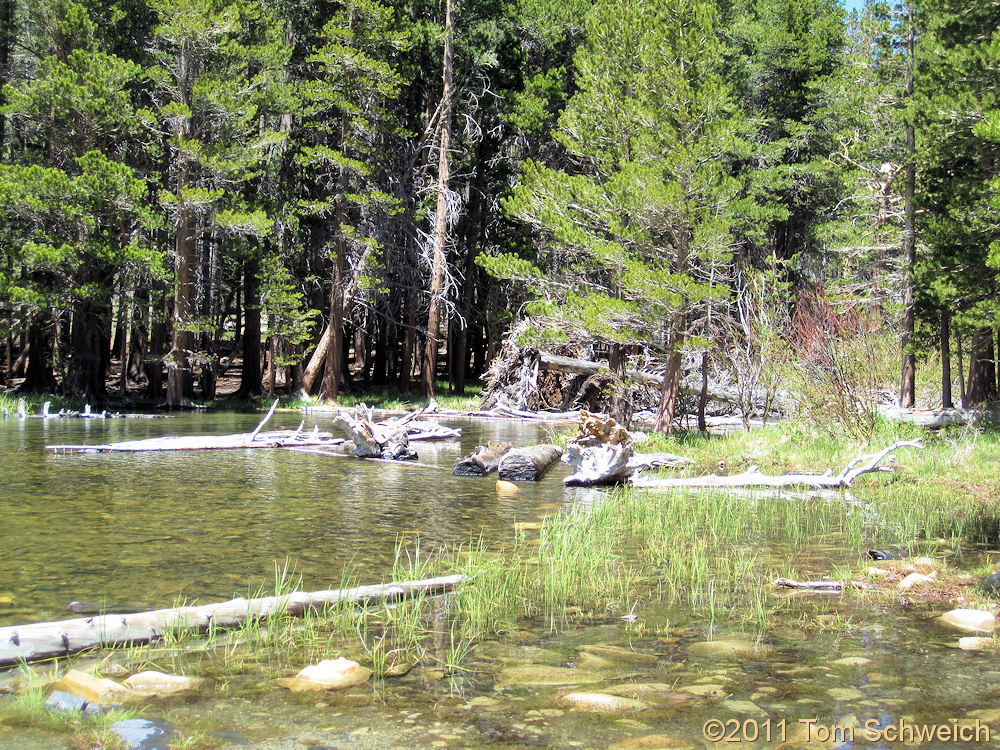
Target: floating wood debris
{"type": "Point", "coordinates": [25, 643]}
{"type": "Point", "coordinates": [390, 439]}
{"type": "Point", "coordinates": [86, 413]}
{"type": "Point", "coordinates": [603, 453]}
{"type": "Point", "coordinates": [753, 477]}
{"type": "Point", "coordinates": [482, 461]}
{"type": "Point", "coordinates": [528, 464]}
{"type": "Point", "coordinates": [833, 586]}
{"type": "Point", "coordinates": [255, 439]}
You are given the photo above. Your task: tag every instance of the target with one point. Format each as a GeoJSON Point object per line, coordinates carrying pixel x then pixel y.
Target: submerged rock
{"type": "Point", "coordinates": [653, 742]}
{"type": "Point", "coordinates": [157, 683]}
{"type": "Point", "coordinates": [104, 692]}
{"type": "Point", "coordinates": [977, 643]}
{"type": "Point", "coordinates": [913, 580]}
{"type": "Point", "coordinates": [705, 691]}
{"type": "Point", "coordinates": [991, 584]}
{"type": "Point", "coordinates": [538, 675]}
{"type": "Point", "coordinates": [729, 649]}
{"type": "Point", "coordinates": [746, 708]}
{"type": "Point", "coordinates": [851, 661]}
{"type": "Point", "coordinates": [619, 654]}
{"type": "Point", "coordinates": [63, 702]}
{"type": "Point", "coordinates": [329, 674]}
{"type": "Point", "coordinates": [143, 734]}
{"type": "Point", "coordinates": [661, 693]}
{"type": "Point", "coordinates": [603, 702]}
{"type": "Point", "coordinates": [969, 620]}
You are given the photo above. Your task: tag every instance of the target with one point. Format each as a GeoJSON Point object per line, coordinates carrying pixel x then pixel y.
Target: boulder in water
{"type": "Point", "coordinates": [969, 620]}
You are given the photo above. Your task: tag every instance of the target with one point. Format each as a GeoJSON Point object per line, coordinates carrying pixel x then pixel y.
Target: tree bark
{"type": "Point", "coordinates": [908, 375]}
{"type": "Point", "coordinates": [946, 400]}
{"type": "Point", "coordinates": [429, 369]}
{"type": "Point", "coordinates": [180, 382]}
{"type": "Point", "coordinates": [482, 461]}
{"type": "Point", "coordinates": [38, 374]}
{"type": "Point", "coordinates": [703, 396]}
{"type": "Point", "coordinates": [24, 643]}
{"type": "Point", "coordinates": [982, 369]}
{"type": "Point", "coordinates": [250, 378]}
{"type": "Point", "coordinates": [85, 374]}
{"type": "Point", "coordinates": [528, 464]}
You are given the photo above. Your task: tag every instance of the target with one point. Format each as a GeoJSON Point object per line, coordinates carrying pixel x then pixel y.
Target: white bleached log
{"type": "Point", "coordinates": [25, 643]}
{"type": "Point", "coordinates": [753, 477]}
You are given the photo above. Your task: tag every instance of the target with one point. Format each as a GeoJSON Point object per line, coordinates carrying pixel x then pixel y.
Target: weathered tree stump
{"type": "Point", "coordinates": [528, 464]}
{"type": "Point", "coordinates": [482, 461]}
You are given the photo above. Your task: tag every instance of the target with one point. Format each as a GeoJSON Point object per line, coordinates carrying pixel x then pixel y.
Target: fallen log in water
{"type": "Point", "coordinates": [278, 439]}
{"type": "Point", "coordinates": [408, 464]}
{"type": "Point", "coordinates": [390, 439]}
{"type": "Point", "coordinates": [25, 643]}
{"type": "Point", "coordinates": [528, 464]}
{"type": "Point", "coordinates": [788, 583]}
{"type": "Point", "coordinates": [753, 477]}
{"type": "Point", "coordinates": [482, 461]}
{"type": "Point", "coordinates": [603, 453]}
{"type": "Point", "coordinates": [255, 439]}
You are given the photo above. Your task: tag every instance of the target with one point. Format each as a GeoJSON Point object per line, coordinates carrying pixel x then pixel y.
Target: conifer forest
{"type": "Point", "coordinates": [776, 194]}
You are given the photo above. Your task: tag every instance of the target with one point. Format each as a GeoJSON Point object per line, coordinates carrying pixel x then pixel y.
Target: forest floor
{"type": "Point", "coordinates": [135, 397]}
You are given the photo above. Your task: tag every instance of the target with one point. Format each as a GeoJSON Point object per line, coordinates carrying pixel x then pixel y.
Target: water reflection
{"type": "Point", "coordinates": [144, 529]}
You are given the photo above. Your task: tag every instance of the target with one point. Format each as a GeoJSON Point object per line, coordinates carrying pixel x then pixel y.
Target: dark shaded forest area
{"type": "Point", "coordinates": [770, 192]}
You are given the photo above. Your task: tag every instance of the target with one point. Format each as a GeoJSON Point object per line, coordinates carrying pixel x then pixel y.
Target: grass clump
{"type": "Point", "coordinates": [28, 710]}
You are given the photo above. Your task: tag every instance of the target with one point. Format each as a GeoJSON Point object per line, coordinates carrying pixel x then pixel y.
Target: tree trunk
{"type": "Point", "coordinates": [473, 242]}
{"type": "Point", "coordinates": [85, 374]}
{"type": "Point", "coordinates": [982, 369]}
{"type": "Point", "coordinates": [703, 396]}
{"type": "Point", "coordinates": [429, 370]}
{"type": "Point", "coordinates": [335, 350]}
{"type": "Point", "coordinates": [963, 396]}
{"type": "Point", "coordinates": [250, 378]}
{"type": "Point", "coordinates": [908, 375]}
{"type": "Point", "coordinates": [409, 342]}
{"type": "Point", "coordinates": [180, 382]}
{"type": "Point", "coordinates": [667, 409]}
{"type": "Point", "coordinates": [38, 375]}
{"type": "Point", "coordinates": [946, 401]}
{"type": "Point", "coordinates": [482, 461]}
{"type": "Point", "coordinates": [620, 408]}
{"type": "Point", "coordinates": [6, 40]}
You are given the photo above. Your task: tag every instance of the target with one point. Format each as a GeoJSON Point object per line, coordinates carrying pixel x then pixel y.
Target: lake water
{"type": "Point", "coordinates": [149, 529]}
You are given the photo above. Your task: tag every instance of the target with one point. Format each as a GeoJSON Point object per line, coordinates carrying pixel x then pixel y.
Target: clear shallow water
{"type": "Point", "coordinates": [144, 529]}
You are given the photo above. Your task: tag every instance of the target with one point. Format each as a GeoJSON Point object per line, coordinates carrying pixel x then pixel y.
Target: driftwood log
{"type": "Point", "coordinates": [255, 439]}
{"type": "Point", "coordinates": [528, 464]}
{"type": "Point", "coordinates": [603, 453]}
{"type": "Point", "coordinates": [833, 586]}
{"type": "Point", "coordinates": [753, 477]}
{"type": "Point", "coordinates": [391, 438]}
{"type": "Point", "coordinates": [690, 387]}
{"type": "Point", "coordinates": [25, 643]}
{"type": "Point", "coordinates": [482, 461]}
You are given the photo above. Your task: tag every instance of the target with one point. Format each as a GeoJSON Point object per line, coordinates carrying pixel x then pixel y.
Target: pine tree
{"type": "Point", "coordinates": [640, 229]}
{"type": "Point", "coordinates": [956, 96]}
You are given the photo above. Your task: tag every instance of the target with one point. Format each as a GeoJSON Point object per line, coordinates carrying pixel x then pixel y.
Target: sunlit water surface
{"type": "Point", "coordinates": [147, 530]}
